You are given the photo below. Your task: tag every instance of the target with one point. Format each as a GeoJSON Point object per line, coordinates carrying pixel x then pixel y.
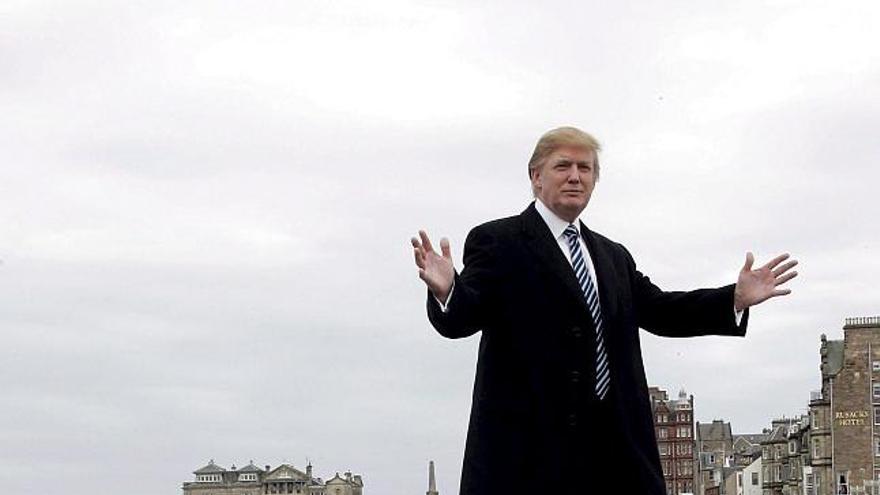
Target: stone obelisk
{"type": "Point", "coordinates": [432, 483]}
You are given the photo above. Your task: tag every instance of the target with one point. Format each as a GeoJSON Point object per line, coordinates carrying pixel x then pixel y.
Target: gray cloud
{"type": "Point", "coordinates": [205, 211]}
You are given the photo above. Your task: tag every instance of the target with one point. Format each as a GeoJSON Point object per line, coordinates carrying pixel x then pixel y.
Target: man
{"type": "Point", "coordinates": [560, 399]}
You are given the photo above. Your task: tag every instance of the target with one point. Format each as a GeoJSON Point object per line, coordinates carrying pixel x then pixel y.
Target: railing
{"type": "Point", "coordinates": [863, 321]}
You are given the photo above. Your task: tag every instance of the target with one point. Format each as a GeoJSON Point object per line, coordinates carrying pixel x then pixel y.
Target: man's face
{"type": "Point", "coordinates": [565, 181]}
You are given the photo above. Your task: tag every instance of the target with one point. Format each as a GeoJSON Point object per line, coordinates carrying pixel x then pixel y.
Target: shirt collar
{"type": "Point", "coordinates": [556, 224]}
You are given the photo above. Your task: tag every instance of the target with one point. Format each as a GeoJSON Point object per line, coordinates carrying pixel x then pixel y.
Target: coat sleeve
{"type": "Point", "coordinates": [470, 303]}
{"type": "Point", "coordinates": [684, 313]}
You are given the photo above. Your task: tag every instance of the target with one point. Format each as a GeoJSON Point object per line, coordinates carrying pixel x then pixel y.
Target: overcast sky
{"type": "Point", "coordinates": [205, 213]}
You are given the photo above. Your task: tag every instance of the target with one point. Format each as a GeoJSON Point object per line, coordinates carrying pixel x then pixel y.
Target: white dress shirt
{"type": "Point", "coordinates": [557, 228]}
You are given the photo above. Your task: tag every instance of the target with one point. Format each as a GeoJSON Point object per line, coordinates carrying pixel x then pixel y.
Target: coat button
{"type": "Point", "coordinates": [575, 376]}
{"type": "Point", "coordinates": [572, 419]}
{"type": "Point", "coordinates": [576, 331]}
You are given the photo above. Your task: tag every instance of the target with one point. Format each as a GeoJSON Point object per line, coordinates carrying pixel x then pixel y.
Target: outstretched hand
{"type": "Point", "coordinates": [436, 270]}
{"type": "Point", "coordinates": [756, 286]}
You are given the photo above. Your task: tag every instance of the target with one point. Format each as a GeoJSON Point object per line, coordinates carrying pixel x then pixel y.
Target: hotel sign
{"type": "Point", "coordinates": [852, 418]}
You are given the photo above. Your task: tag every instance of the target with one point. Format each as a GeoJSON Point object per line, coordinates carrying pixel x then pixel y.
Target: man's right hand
{"type": "Point", "coordinates": [437, 271]}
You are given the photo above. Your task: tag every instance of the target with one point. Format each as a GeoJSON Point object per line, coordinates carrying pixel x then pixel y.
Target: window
{"type": "Point", "coordinates": [877, 415]}
{"type": "Point", "coordinates": [664, 449]}
{"type": "Point", "coordinates": [817, 449]}
{"type": "Point", "coordinates": [661, 433]}
{"type": "Point", "coordinates": [876, 390]}
{"type": "Point", "coordinates": [809, 485]}
{"type": "Point", "coordinates": [792, 447]}
{"type": "Point", "coordinates": [842, 484]}
{"type": "Point", "coordinates": [687, 468]}
{"type": "Point", "coordinates": [755, 478]}
{"type": "Point", "coordinates": [876, 365]}
{"type": "Point", "coordinates": [877, 446]}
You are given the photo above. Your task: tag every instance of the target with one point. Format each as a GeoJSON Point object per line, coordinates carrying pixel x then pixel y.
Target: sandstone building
{"type": "Point", "coordinates": [212, 479]}
{"type": "Point", "coordinates": [845, 415]}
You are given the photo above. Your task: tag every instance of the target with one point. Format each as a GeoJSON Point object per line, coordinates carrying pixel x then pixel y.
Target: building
{"type": "Point", "coordinates": [747, 464]}
{"type": "Point", "coordinates": [845, 415]}
{"type": "Point", "coordinates": [747, 448]}
{"type": "Point", "coordinates": [774, 457]}
{"type": "Point", "coordinates": [835, 449]}
{"type": "Point", "coordinates": [673, 422]}
{"type": "Point", "coordinates": [786, 458]}
{"type": "Point", "coordinates": [750, 480]}
{"type": "Point", "coordinates": [714, 443]}
{"type": "Point", "coordinates": [213, 479]}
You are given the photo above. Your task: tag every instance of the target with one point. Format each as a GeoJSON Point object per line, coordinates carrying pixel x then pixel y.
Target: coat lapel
{"type": "Point", "coordinates": [540, 241]}
{"type": "Point", "coordinates": [605, 274]}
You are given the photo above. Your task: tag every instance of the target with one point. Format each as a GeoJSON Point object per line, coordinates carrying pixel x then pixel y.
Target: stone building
{"type": "Point", "coordinates": [747, 448]}
{"type": "Point", "coordinates": [835, 449]}
{"type": "Point", "coordinates": [673, 421]}
{"type": "Point", "coordinates": [786, 458]}
{"type": "Point", "coordinates": [845, 415]}
{"type": "Point", "coordinates": [774, 457]}
{"type": "Point", "coordinates": [714, 443]}
{"type": "Point", "coordinates": [747, 464]}
{"type": "Point", "coordinates": [213, 479]}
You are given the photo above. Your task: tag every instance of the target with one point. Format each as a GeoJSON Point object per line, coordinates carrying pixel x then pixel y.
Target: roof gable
{"type": "Point", "coordinates": [336, 480]}
{"type": "Point", "coordinates": [209, 468]}
{"type": "Point", "coordinates": [286, 472]}
{"type": "Point", "coordinates": [250, 468]}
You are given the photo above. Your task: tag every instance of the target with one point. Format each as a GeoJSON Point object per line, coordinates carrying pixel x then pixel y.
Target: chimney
{"type": "Point", "coordinates": [348, 476]}
{"type": "Point", "coordinates": [267, 468]}
{"type": "Point", "coordinates": [309, 471]}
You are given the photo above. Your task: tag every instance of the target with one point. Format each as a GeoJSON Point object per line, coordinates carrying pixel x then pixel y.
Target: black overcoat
{"type": "Point", "coordinates": [528, 413]}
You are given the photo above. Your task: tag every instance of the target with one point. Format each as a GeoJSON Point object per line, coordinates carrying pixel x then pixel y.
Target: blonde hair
{"type": "Point", "coordinates": [562, 137]}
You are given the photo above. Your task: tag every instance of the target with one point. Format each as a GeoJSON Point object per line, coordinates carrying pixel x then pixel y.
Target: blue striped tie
{"type": "Point", "coordinates": [603, 375]}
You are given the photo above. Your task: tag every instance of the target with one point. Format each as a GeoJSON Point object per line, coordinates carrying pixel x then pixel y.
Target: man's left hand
{"type": "Point", "coordinates": [758, 285]}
